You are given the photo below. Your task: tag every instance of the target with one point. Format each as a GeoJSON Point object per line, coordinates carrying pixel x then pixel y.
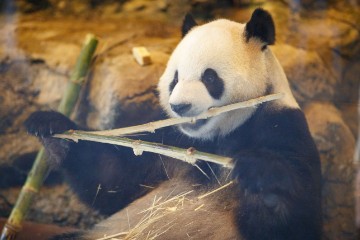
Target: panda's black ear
{"type": "Point", "coordinates": [188, 24]}
{"type": "Point", "coordinates": [261, 26]}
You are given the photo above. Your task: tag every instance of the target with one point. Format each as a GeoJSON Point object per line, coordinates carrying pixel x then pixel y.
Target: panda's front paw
{"type": "Point", "coordinates": [267, 176]}
{"type": "Point", "coordinates": [47, 123]}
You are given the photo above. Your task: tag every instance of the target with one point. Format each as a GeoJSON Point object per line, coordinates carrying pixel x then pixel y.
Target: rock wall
{"type": "Point", "coordinates": [318, 46]}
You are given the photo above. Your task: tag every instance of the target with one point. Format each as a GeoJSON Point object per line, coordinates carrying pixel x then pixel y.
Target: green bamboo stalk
{"type": "Point", "coordinates": [77, 77]}
{"type": "Point", "coordinates": [40, 167]}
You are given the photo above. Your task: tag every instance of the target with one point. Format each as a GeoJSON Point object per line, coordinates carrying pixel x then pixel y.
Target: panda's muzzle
{"type": "Point", "coordinates": [181, 109]}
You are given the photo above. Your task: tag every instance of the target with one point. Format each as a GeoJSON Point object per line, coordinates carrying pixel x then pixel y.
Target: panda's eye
{"type": "Point", "coordinates": [213, 83]}
{"type": "Point", "coordinates": [174, 82]}
{"type": "Point", "coordinates": [209, 76]}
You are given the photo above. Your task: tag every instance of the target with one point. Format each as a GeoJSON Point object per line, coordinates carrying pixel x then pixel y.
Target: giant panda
{"type": "Point", "coordinates": [275, 185]}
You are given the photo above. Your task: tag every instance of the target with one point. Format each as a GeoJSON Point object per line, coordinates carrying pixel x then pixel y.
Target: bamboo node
{"type": "Point", "coordinates": [31, 189]}
{"type": "Point", "coordinates": [10, 231]}
{"type": "Point", "coordinates": [152, 127]}
{"type": "Point", "coordinates": [190, 151]}
{"type": "Point", "coordinates": [137, 148]}
{"type": "Point", "coordinates": [79, 81]}
{"type": "Point", "coordinates": [15, 228]}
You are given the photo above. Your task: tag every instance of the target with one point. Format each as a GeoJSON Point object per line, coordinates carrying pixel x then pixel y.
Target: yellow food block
{"type": "Point", "coordinates": [141, 55]}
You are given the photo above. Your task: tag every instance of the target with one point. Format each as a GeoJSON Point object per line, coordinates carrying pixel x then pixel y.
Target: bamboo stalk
{"type": "Point", "coordinates": [212, 112]}
{"type": "Point", "coordinates": [40, 167]}
{"type": "Point", "coordinates": [77, 77]}
{"type": "Point", "coordinates": [190, 155]}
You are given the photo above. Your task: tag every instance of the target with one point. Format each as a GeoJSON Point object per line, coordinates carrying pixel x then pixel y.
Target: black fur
{"type": "Point", "coordinates": [261, 26]}
{"type": "Point", "coordinates": [214, 84]}
{"type": "Point", "coordinates": [279, 175]}
{"type": "Point", "coordinates": [188, 24]}
{"type": "Point", "coordinates": [48, 123]}
{"type": "Point", "coordinates": [174, 82]}
{"type": "Point", "coordinates": [277, 167]}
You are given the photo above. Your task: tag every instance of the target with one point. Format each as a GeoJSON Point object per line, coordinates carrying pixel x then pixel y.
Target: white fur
{"type": "Point", "coordinates": [246, 70]}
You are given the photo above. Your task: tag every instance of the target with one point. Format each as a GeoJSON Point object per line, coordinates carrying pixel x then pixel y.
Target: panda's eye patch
{"type": "Point", "coordinates": [174, 82]}
{"type": "Point", "coordinates": [213, 83]}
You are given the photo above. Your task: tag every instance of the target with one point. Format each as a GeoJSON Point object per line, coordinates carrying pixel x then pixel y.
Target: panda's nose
{"type": "Point", "coordinates": [180, 109]}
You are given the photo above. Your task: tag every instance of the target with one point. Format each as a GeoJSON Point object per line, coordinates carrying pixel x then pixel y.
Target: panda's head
{"type": "Point", "coordinates": [216, 64]}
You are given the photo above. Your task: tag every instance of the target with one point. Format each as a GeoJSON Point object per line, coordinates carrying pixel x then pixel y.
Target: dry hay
{"type": "Point", "coordinates": [155, 220]}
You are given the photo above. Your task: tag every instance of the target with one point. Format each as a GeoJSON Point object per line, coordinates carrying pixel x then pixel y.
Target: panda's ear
{"type": "Point", "coordinates": [188, 24]}
{"type": "Point", "coordinates": [261, 26]}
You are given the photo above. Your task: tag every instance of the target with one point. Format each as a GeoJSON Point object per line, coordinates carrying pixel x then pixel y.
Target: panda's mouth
{"type": "Point", "coordinates": [194, 126]}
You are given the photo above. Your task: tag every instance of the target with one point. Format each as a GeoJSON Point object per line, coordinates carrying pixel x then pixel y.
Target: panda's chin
{"type": "Point", "coordinates": [196, 130]}
{"type": "Point", "coordinates": [194, 126]}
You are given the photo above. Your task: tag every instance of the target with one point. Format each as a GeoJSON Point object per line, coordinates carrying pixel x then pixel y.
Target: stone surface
{"type": "Point", "coordinates": [52, 206]}
{"type": "Point", "coordinates": [21, 94]}
{"type": "Point", "coordinates": [309, 78]}
{"type": "Point", "coordinates": [336, 145]}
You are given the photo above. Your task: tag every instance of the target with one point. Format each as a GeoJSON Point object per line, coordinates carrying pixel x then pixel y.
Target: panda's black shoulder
{"type": "Point", "coordinates": [279, 128]}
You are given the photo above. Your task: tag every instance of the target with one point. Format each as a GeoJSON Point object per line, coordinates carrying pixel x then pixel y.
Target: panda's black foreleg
{"type": "Point", "coordinates": [104, 176]}
{"type": "Point", "coordinates": [44, 124]}
{"type": "Point", "coordinates": [279, 199]}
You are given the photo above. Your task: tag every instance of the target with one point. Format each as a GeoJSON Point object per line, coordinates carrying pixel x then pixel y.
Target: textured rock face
{"type": "Point", "coordinates": [309, 78]}
{"type": "Point", "coordinates": [336, 144]}
{"type": "Point", "coordinates": [319, 50]}
{"type": "Point", "coordinates": [54, 203]}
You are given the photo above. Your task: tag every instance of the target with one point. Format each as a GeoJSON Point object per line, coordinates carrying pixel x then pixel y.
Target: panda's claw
{"type": "Point", "coordinates": [47, 123]}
